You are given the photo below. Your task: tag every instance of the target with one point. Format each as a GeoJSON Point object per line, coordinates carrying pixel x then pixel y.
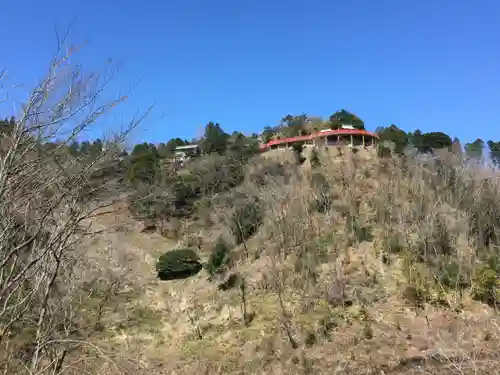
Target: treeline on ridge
{"type": "Point", "coordinates": [161, 191]}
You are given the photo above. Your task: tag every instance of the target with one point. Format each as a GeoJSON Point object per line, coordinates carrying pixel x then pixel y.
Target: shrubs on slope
{"type": "Point", "coordinates": [178, 264]}
{"type": "Point", "coordinates": [245, 221]}
{"type": "Point", "coordinates": [219, 258]}
{"type": "Point", "coordinates": [404, 234]}
{"type": "Point", "coordinates": [401, 216]}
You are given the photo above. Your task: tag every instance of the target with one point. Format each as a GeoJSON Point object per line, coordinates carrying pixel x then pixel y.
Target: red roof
{"type": "Point", "coordinates": [318, 135]}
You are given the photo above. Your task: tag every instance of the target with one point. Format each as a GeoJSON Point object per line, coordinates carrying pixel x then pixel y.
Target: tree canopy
{"type": "Point", "coordinates": [475, 149]}
{"type": "Point", "coordinates": [423, 142]}
{"type": "Point", "coordinates": [144, 164]}
{"type": "Point", "coordinates": [344, 117]}
{"type": "Point", "coordinates": [215, 139]}
{"type": "Point", "coordinates": [494, 152]}
{"type": "Point", "coordinates": [394, 134]}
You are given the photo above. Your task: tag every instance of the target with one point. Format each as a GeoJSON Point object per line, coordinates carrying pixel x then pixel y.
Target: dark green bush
{"type": "Point", "coordinates": [178, 264]}
{"type": "Point", "coordinates": [453, 277]}
{"type": "Point", "coordinates": [246, 221]}
{"type": "Point", "coordinates": [311, 340]}
{"type": "Point", "coordinates": [218, 258]}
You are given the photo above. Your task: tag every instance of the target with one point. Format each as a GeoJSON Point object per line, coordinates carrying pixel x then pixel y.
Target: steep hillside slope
{"type": "Point", "coordinates": [360, 266]}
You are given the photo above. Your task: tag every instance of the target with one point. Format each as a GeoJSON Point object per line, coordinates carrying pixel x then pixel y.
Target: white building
{"type": "Point", "coordinates": [183, 153]}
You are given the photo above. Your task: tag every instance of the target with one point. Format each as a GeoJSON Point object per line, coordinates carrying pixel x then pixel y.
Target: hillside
{"type": "Point", "coordinates": [224, 255]}
{"type": "Point", "coordinates": [361, 265]}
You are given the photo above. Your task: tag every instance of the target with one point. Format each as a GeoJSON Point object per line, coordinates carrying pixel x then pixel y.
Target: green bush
{"type": "Point", "coordinates": [486, 286]}
{"type": "Point", "coordinates": [246, 221]}
{"type": "Point", "coordinates": [178, 264]}
{"type": "Point", "coordinates": [218, 258]}
{"type": "Point", "coordinates": [311, 340]}
{"type": "Point", "coordinates": [453, 277]}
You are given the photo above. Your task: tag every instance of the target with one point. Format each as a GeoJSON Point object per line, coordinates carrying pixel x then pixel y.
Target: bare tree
{"type": "Point", "coordinates": [278, 276]}
{"type": "Point", "coordinates": [48, 199]}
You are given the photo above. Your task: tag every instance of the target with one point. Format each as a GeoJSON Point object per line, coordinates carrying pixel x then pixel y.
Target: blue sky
{"type": "Point", "coordinates": [433, 65]}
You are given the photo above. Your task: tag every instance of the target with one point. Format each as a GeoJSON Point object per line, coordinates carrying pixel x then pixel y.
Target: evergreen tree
{"type": "Point", "coordinates": [293, 126]}
{"type": "Point", "coordinates": [474, 150]}
{"type": "Point", "coordinates": [166, 150]}
{"type": "Point", "coordinates": [344, 117]}
{"type": "Point", "coordinates": [237, 144]}
{"type": "Point", "coordinates": [215, 139]}
{"type": "Point", "coordinates": [267, 134]}
{"type": "Point", "coordinates": [433, 141]}
{"type": "Point", "coordinates": [395, 135]}
{"type": "Point", "coordinates": [494, 152]}
{"type": "Point", "coordinates": [144, 164]}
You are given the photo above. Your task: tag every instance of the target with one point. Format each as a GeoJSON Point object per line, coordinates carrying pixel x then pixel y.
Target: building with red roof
{"type": "Point", "coordinates": [346, 135]}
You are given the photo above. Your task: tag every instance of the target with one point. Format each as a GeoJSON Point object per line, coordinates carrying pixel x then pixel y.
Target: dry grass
{"type": "Point", "coordinates": [355, 288]}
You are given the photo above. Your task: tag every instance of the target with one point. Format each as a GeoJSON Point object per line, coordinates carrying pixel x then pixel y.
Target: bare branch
{"type": "Point", "coordinates": [48, 200]}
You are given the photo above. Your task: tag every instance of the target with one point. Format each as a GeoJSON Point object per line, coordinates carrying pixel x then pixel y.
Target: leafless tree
{"type": "Point", "coordinates": [48, 199]}
{"type": "Point", "coordinates": [279, 276]}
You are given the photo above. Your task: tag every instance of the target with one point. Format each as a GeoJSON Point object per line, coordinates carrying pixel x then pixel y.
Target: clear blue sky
{"type": "Point", "coordinates": [433, 65]}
